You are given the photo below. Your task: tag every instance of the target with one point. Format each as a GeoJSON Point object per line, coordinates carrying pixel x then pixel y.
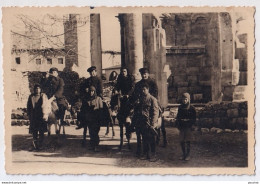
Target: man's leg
{"type": "Point", "coordinates": [165, 142]}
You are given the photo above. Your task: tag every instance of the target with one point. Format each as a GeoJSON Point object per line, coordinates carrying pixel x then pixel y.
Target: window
{"type": "Point", "coordinates": [49, 61]}
{"type": "Point", "coordinates": [60, 60]}
{"type": "Point", "coordinates": [18, 60]}
{"type": "Point", "coordinates": [38, 61]}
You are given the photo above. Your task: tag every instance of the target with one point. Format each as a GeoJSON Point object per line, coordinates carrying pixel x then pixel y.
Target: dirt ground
{"type": "Point", "coordinates": [226, 149]}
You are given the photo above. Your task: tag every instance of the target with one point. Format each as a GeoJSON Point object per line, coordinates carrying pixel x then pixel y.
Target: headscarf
{"type": "Point", "coordinates": [92, 88]}
{"type": "Point", "coordinates": [186, 95]}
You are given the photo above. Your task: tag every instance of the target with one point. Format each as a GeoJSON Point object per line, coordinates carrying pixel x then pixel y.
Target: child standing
{"type": "Point", "coordinates": [36, 116]}
{"type": "Point", "coordinates": [186, 117]}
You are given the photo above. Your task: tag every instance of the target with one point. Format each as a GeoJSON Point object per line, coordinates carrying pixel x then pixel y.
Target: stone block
{"type": "Point", "coordinates": [194, 61]}
{"type": "Point", "coordinates": [206, 122]}
{"type": "Point", "coordinates": [239, 96]}
{"type": "Point", "coordinates": [242, 78]}
{"type": "Point", "coordinates": [192, 79]}
{"type": "Point", "coordinates": [216, 122]}
{"type": "Point", "coordinates": [193, 70]}
{"type": "Point", "coordinates": [219, 113]}
{"type": "Point", "coordinates": [13, 123]}
{"type": "Point", "coordinates": [228, 93]}
{"type": "Point", "coordinates": [182, 90]}
{"type": "Point", "coordinates": [179, 71]}
{"type": "Point", "coordinates": [197, 97]}
{"type": "Point", "coordinates": [204, 130]}
{"type": "Point", "coordinates": [240, 88]}
{"type": "Point", "coordinates": [243, 112]}
{"type": "Point", "coordinates": [228, 130]}
{"type": "Point", "coordinates": [226, 78]}
{"type": "Point", "coordinates": [245, 123]}
{"type": "Point", "coordinates": [224, 122]}
{"type": "Point", "coordinates": [215, 130]}
{"type": "Point", "coordinates": [239, 123]}
{"type": "Point", "coordinates": [180, 78]}
{"type": "Point", "coordinates": [232, 113]}
{"type": "Point", "coordinates": [182, 84]}
{"type": "Point", "coordinates": [205, 83]}
{"type": "Point", "coordinates": [233, 105]}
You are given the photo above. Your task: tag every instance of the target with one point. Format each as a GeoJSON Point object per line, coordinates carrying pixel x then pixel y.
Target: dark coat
{"type": "Point", "coordinates": [91, 110]}
{"type": "Point", "coordinates": [54, 86]}
{"type": "Point", "coordinates": [125, 84]}
{"type": "Point", "coordinates": [186, 117]}
{"type": "Point", "coordinates": [92, 81]}
{"type": "Point", "coordinates": [35, 114]}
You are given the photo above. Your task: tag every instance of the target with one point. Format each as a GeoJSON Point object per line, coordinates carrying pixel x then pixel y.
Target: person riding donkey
{"type": "Point", "coordinates": [124, 87]}
{"type": "Point", "coordinates": [53, 86]}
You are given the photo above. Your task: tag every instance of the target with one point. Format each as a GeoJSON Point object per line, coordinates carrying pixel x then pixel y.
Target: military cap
{"type": "Point", "coordinates": [143, 70]}
{"type": "Point", "coordinates": [90, 69]}
{"type": "Point", "coordinates": [53, 69]}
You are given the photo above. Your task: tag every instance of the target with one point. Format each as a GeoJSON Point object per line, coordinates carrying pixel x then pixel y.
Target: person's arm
{"type": "Point", "coordinates": [155, 90]}
{"type": "Point", "coordinates": [193, 115]}
{"type": "Point", "coordinates": [29, 106]}
{"type": "Point", "coordinates": [60, 89]}
{"type": "Point", "coordinates": [100, 88]}
{"type": "Point", "coordinates": [132, 84]}
{"type": "Point", "coordinates": [155, 112]}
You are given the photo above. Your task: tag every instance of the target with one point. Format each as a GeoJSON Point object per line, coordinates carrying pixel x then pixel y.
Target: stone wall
{"type": "Point", "coordinates": [224, 115]}
{"type": "Point", "coordinates": [191, 47]}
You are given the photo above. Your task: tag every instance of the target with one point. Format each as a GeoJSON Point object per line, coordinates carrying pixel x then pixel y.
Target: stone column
{"type": "Point", "coordinates": [230, 65]}
{"type": "Point", "coordinates": [77, 44]}
{"type": "Point", "coordinates": [131, 42]}
{"type": "Point", "coordinates": [70, 41]}
{"type": "Point", "coordinates": [95, 41]}
{"type": "Point", "coordinates": [154, 42]}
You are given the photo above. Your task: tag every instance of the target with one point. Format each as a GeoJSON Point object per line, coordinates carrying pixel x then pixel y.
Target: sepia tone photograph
{"type": "Point", "coordinates": [129, 90]}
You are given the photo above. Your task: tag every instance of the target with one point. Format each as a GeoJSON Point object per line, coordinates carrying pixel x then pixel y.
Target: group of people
{"type": "Point", "coordinates": [142, 103]}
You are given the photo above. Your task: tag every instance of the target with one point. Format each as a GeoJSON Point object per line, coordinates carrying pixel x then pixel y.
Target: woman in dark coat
{"type": "Point", "coordinates": [35, 113]}
{"type": "Point", "coordinates": [91, 109]}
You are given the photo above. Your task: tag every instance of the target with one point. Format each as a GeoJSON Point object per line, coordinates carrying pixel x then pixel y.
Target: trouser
{"type": "Point", "coordinates": [139, 141]}
{"type": "Point", "coordinates": [163, 133]}
{"type": "Point", "coordinates": [38, 137]}
{"type": "Point", "coordinates": [61, 112]}
{"type": "Point", "coordinates": [93, 133]}
{"type": "Point", "coordinates": [148, 140]}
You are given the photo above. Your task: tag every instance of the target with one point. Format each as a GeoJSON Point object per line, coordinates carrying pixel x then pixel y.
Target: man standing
{"type": "Point", "coordinates": [54, 87]}
{"type": "Point", "coordinates": [94, 81]}
{"type": "Point", "coordinates": [146, 115]}
{"type": "Point", "coordinates": [153, 90]}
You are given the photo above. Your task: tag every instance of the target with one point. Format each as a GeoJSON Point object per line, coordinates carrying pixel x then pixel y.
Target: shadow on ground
{"type": "Point", "coordinates": [208, 150]}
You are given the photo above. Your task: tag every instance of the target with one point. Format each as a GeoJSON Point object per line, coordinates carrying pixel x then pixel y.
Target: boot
{"type": "Point", "coordinates": [183, 151]}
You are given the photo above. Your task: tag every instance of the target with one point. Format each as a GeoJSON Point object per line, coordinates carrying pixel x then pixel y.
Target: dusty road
{"type": "Point", "coordinates": [208, 150]}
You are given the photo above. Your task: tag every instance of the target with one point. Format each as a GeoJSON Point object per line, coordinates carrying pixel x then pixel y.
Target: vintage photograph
{"type": "Point", "coordinates": [136, 90]}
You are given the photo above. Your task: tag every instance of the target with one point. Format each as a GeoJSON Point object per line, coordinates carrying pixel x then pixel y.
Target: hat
{"type": "Point", "coordinates": [143, 70]}
{"type": "Point", "coordinates": [53, 69]}
{"type": "Point", "coordinates": [92, 88]}
{"type": "Point", "coordinates": [90, 69]}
